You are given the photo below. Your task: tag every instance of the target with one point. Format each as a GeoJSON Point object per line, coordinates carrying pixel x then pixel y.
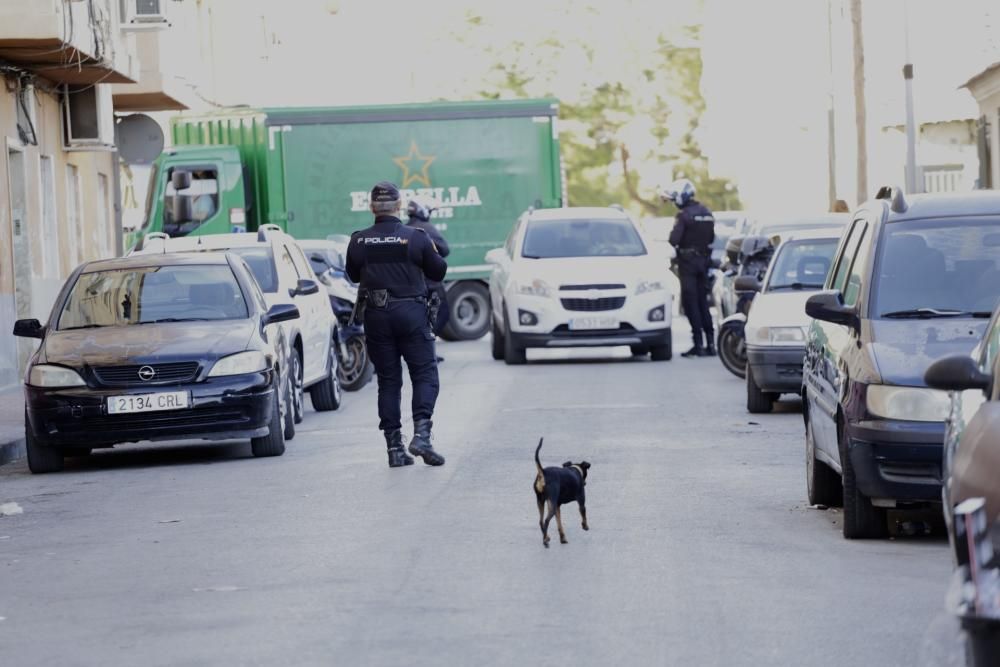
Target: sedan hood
{"type": "Point", "coordinates": [592, 270]}
{"type": "Point", "coordinates": [780, 309]}
{"type": "Point", "coordinates": [147, 343]}
{"type": "Point", "coordinates": [903, 349]}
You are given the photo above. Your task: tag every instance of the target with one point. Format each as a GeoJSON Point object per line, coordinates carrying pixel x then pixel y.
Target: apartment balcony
{"type": "Point", "coordinates": [67, 41]}
{"type": "Point", "coordinates": [165, 82]}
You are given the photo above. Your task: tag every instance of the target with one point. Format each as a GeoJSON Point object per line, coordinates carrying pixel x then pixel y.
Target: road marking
{"type": "Point", "coordinates": [10, 509]}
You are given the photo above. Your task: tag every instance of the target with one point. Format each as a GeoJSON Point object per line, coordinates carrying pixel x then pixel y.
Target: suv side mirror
{"type": "Point", "coordinates": [496, 256]}
{"type": "Point", "coordinates": [956, 373]}
{"type": "Point", "coordinates": [304, 287]}
{"type": "Point", "coordinates": [747, 284]}
{"type": "Point", "coordinates": [281, 312]}
{"type": "Point", "coordinates": [829, 307]}
{"type": "Point", "coordinates": [29, 329]}
{"type": "Point", "coordinates": [180, 179]}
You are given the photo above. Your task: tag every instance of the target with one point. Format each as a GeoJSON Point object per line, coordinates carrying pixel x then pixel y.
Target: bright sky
{"type": "Point", "coordinates": [766, 79]}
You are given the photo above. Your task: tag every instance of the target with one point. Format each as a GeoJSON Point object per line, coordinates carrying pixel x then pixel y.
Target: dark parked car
{"type": "Point", "coordinates": [912, 281]}
{"type": "Point", "coordinates": [154, 347]}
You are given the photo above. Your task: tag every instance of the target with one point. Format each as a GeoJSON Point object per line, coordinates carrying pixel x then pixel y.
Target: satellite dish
{"type": "Point", "coordinates": [139, 139]}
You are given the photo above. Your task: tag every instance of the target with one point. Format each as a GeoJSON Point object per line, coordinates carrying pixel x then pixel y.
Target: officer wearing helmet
{"type": "Point", "coordinates": [419, 211]}
{"type": "Point", "coordinates": [393, 263]}
{"type": "Point", "coordinates": [692, 236]}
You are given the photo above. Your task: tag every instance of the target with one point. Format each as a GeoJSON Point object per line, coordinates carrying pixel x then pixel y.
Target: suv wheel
{"type": "Point", "coordinates": [639, 350]}
{"type": "Point", "coordinates": [298, 393]}
{"type": "Point", "coordinates": [822, 483]}
{"type": "Point", "coordinates": [861, 518]}
{"type": "Point", "coordinates": [326, 394]}
{"type": "Point", "coordinates": [272, 444]}
{"type": "Point", "coordinates": [497, 344]}
{"type": "Point", "coordinates": [288, 411]}
{"type": "Point", "coordinates": [41, 459]}
{"type": "Point", "coordinates": [758, 401]}
{"type": "Point", "coordinates": [512, 354]}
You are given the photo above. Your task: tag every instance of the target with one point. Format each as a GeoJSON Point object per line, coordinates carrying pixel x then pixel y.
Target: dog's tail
{"type": "Point", "coordinates": [540, 477]}
{"type": "Point", "coordinates": [538, 449]}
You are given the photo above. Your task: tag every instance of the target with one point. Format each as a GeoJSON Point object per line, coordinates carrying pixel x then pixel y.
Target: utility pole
{"type": "Point", "coordinates": [911, 130]}
{"type": "Point", "coordinates": [859, 100]}
{"type": "Point", "coordinates": [830, 115]}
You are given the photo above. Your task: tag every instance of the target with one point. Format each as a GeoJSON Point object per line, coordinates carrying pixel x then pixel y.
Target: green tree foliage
{"type": "Point", "coordinates": [629, 120]}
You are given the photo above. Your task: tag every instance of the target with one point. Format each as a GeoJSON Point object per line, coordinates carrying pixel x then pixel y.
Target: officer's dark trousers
{"type": "Point", "coordinates": [401, 330]}
{"type": "Point", "coordinates": [694, 299]}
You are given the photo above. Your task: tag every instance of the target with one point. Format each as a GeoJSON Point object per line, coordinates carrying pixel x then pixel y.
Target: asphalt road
{"type": "Point", "coordinates": [702, 549]}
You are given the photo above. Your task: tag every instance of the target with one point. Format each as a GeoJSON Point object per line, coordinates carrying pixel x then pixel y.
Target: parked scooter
{"type": "Point", "coordinates": [355, 370]}
{"type": "Point", "coordinates": [749, 256]}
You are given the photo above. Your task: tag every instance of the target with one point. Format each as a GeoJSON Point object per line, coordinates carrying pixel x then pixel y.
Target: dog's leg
{"type": "Point", "coordinates": [545, 523]}
{"type": "Point", "coordinates": [562, 533]}
{"type": "Point", "coordinates": [583, 514]}
{"type": "Point", "coordinates": [541, 513]}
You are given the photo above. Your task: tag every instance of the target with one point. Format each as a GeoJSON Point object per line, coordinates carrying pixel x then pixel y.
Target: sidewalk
{"type": "Point", "coordinates": [11, 424]}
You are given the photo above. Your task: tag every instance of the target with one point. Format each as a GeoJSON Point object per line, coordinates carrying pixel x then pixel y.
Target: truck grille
{"type": "Point", "coordinates": [594, 305]}
{"type": "Point", "coordinates": [128, 376]}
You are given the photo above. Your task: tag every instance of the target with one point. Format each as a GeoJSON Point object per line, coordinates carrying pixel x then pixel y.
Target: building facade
{"type": "Point", "coordinates": [985, 88]}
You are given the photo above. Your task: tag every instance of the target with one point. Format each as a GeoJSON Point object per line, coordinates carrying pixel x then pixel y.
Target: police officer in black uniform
{"type": "Point", "coordinates": [393, 262]}
{"type": "Point", "coordinates": [419, 212]}
{"type": "Point", "coordinates": [692, 236]}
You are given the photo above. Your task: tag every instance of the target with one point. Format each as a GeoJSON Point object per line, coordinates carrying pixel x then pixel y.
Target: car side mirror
{"type": "Point", "coordinates": [304, 287]}
{"type": "Point", "coordinates": [29, 329]}
{"type": "Point", "coordinates": [496, 256]}
{"type": "Point", "coordinates": [829, 307]}
{"type": "Point", "coordinates": [747, 284]}
{"type": "Point", "coordinates": [956, 373]}
{"type": "Point", "coordinates": [281, 312]}
{"type": "Point", "coordinates": [180, 179]}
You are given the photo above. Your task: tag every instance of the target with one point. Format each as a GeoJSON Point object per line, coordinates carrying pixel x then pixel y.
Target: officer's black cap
{"type": "Point", "coordinates": [385, 192]}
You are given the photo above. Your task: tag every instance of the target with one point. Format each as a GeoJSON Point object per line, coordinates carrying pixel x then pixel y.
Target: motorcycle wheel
{"type": "Point", "coordinates": [733, 351]}
{"type": "Point", "coordinates": [355, 370]}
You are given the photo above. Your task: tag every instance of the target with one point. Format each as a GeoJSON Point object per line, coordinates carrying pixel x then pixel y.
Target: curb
{"type": "Point", "coordinates": [11, 451]}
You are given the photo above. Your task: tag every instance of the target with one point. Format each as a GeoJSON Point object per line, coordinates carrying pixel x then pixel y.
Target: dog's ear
{"type": "Point", "coordinates": [567, 464]}
{"type": "Point", "coordinates": [585, 465]}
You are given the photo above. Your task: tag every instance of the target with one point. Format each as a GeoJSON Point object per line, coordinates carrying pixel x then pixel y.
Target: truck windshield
{"type": "Point", "coordinates": [204, 195]}
{"type": "Point", "coordinates": [261, 263]}
{"type": "Point", "coordinates": [153, 294]}
{"type": "Point", "coordinates": [549, 239]}
{"type": "Point", "coordinates": [802, 265]}
{"type": "Point", "coordinates": [938, 267]}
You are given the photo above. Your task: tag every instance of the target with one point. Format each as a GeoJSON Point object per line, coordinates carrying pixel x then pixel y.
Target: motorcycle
{"type": "Point", "coordinates": [356, 369]}
{"type": "Point", "coordinates": [746, 257]}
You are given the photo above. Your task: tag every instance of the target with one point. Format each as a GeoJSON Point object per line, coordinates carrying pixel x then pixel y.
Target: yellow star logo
{"type": "Point", "coordinates": [415, 175]}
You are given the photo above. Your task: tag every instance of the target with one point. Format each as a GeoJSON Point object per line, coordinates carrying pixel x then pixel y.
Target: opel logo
{"type": "Point", "coordinates": [147, 373]}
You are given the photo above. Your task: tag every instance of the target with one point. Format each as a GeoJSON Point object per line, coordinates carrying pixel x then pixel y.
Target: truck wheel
{"type": "Point", "coordinates": [272, 444]}
{"type": "Point", "coordinates": [512, 354]}
{"type": "Point", "coordinates": [822, 483]}
{"type": "Point", "coordinates": [758, 402]}
{"type": "Point", "coordinates": [41, 459]}
{"type": "Point", "coordinates": [469, 303]}
{"type": "Point", "coordinates": [861, 518]}
{"type": "Point", "coordinates": [497, 345]}
{"type": "Point", "coordinates": [326, 394]}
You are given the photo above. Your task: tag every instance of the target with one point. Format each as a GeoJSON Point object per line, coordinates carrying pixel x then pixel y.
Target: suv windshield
{"type": "Point", "coordinates": [938, 268]}
{"type": "Point", "coordinates": [261, 263]}
{"type": "Point", "coordinates": [549, 239]}
{"type": "Point", "coordinates": [802, 265]}
{"type": "Point", "coordinates": [153, 294]}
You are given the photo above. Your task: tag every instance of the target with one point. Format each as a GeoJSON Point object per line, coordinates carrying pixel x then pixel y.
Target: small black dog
{"type": "Point", "coordinates": [558, 486]}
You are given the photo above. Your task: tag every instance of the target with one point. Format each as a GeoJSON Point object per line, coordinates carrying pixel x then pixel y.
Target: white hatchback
{"type": "Point", "coordinates": [579, 277]}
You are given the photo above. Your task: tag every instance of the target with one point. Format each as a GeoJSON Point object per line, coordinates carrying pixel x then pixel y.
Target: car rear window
{"type": "Point", "coordinates": [261, 263]}
{"type": "Point", "coordinates": [549, 239]}
{"type": "Point", "coordinates": [950, 265]}
{"type": "Point", "coordinates": [802, 264]}
{"type": "Point", "coordinates": [152, 294]}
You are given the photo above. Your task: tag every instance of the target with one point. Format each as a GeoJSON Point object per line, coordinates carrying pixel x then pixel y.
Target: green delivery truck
{"type": "Point", "coordinates": [309, 170]}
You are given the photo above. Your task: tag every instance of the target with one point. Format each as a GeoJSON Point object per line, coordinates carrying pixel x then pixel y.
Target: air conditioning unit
{"type": "Point", "coordinates": [88, 118]}
{"type": "Point", "coordinates": [143, 14]}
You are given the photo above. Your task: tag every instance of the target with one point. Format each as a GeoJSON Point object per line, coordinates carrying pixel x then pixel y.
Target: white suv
{"type": "Point", "coordinates": [285, 276]}
{"type": "Point", "coordinates": [572, 277]}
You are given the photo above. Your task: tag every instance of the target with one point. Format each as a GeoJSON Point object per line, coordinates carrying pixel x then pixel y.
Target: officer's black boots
{"type": "Point", "coordinates": [710, 350]}
{"type": "Point", "coordinates": [394, 446]}
{"type": "Point", "coordinates": [696, 351]}
{"type": "Point", "coordinates": [421, 443]}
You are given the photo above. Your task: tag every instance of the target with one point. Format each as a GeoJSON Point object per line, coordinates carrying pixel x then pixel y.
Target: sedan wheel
{"type": "Point", "coordinates": [822, 483]}
{"type": "Point", "coordinates": [298, 392]}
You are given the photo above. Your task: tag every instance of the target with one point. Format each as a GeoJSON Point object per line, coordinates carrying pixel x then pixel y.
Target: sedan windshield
{"type": "Point", "coordinates": [550, 239]}
{"type": "Point", "coordinates": [938, 268]}
{"type": "Point", "coordinates": [261, 263]}
{"type": "Point", "coordinates": [153, 294]}
{"type": "Point", "coordinates": [802, 265]}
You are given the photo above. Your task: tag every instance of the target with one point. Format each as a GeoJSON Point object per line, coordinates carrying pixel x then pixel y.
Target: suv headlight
{"type": "Point", "coordinates": [535, 288]}
{"type": "Point", "coordinates": [44, 375]}
{"type": "Point", "coordinates": [648, 286]}
{"type": "Point", "coordinates": [917, 404]}
{"type": "Point", "coordinates": [776, 336]}
{"type": "Point", "coordinates": [241, 363]}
